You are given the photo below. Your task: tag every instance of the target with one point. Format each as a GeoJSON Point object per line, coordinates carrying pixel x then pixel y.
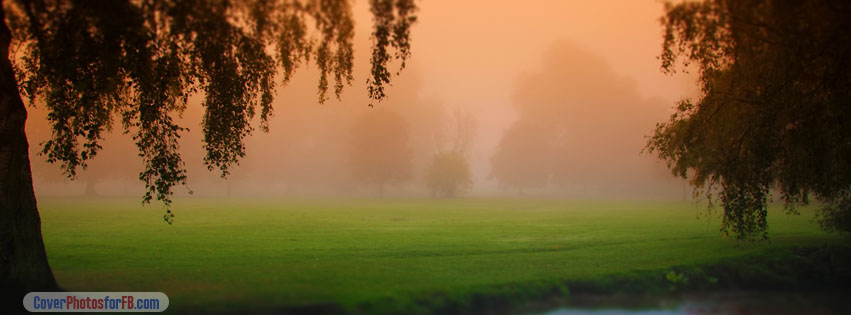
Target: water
{"type": "Point", "coordinates": [572, 311]}
{"type": "Point", "coordinates": [721, 302]}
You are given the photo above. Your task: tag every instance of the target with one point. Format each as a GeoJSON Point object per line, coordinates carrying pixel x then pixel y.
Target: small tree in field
{"type": "Point", "coordinates": [449, 175]}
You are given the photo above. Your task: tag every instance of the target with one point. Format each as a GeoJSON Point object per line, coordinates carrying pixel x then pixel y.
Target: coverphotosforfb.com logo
{"type": "Point", "coordinates": [95, 302]}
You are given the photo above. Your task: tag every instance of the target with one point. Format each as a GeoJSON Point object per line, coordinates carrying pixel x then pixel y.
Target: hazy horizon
{"type": "Point", "coordinates": [587, 70]}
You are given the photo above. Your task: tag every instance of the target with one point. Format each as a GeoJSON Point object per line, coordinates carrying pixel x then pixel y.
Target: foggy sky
{"type": "Point", "coordinates": [482, 57]}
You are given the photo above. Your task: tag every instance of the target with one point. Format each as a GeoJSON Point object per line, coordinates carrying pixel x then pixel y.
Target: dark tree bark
{"type": "Point", "coordinates": [23, 262]}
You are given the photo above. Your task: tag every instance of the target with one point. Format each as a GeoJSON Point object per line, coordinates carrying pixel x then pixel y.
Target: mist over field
{"type": "Point", "coordinates": [488, 156]}
{"type": "Point", "coordinates": [563, 112]}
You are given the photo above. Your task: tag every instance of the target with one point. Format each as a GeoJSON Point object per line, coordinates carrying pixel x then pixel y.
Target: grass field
{"type": "Point", "coordinates": [224, 255]}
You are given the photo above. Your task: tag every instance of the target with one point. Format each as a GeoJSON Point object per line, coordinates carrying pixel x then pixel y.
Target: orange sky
{"type": "Point", "coordinates": [472, 53]}
{"type": "Point", "coordinates": [466, 54]}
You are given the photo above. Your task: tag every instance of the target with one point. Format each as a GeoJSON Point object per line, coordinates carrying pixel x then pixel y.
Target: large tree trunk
{"type": "Point", "coordinates": [23, 262]}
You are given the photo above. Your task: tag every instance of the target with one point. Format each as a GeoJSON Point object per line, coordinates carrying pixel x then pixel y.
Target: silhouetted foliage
{"type": "Point", "coordinates": [379, 152]}
{"type": "Point", "coordinates": [92, 60]}
{"type": "Point", "coordinates": [775, 78]}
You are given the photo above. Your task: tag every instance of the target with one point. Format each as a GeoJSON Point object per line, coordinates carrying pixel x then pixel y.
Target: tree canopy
{"type": "Point", "coordinates": [379, 150]}
{"type": "Point", "coordinates": [523, 156]}
{"type": "Point", "coordinates": [580, 127]}
{"type": "Point", "coordinates": [448, 175]}
{"type": "Point", "coordinates": [773, 113]}
{"type": "Point", "coordinates": [92, 61]}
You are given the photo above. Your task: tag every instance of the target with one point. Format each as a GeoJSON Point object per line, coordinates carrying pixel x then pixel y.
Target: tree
{"type": "Point", "coordinates": [774, 110]}
{"type": "Point", "coordinates": [461, 131]}
{"type": "Point", "coordinates": [91, 61]}
{"type": "Point", "coordinates": [449, 174]}
{"type": "Point", "coordinates": [378, 150]}
{"type": "Point", "coordinates": [524, 156]}
{"type": "Point", "coordinates": [593, 121]}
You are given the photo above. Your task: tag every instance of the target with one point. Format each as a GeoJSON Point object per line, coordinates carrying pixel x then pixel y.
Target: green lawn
{"type": "Point", "coordinates": [222, 255]}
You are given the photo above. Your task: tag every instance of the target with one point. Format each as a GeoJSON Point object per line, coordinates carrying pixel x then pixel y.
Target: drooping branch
{"type": "Point", "coordinates": [90, 61]}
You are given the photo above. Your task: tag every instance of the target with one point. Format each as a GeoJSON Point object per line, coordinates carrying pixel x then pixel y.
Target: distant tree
{"type": "Point", "coordinates": [524, 156]}
{"type": "Point", "coordinates": [449, 174]}
{"type": "Point", "coordinates": [593, 123]}
{"type": "Point", "coordinates": [775, 107]}
{"type": "Point", "coordinates": [378, 152]}
{"type": "Point", "coordinates": [461, 130]}
{"type": "Point", "coordinates": [90, 61]}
